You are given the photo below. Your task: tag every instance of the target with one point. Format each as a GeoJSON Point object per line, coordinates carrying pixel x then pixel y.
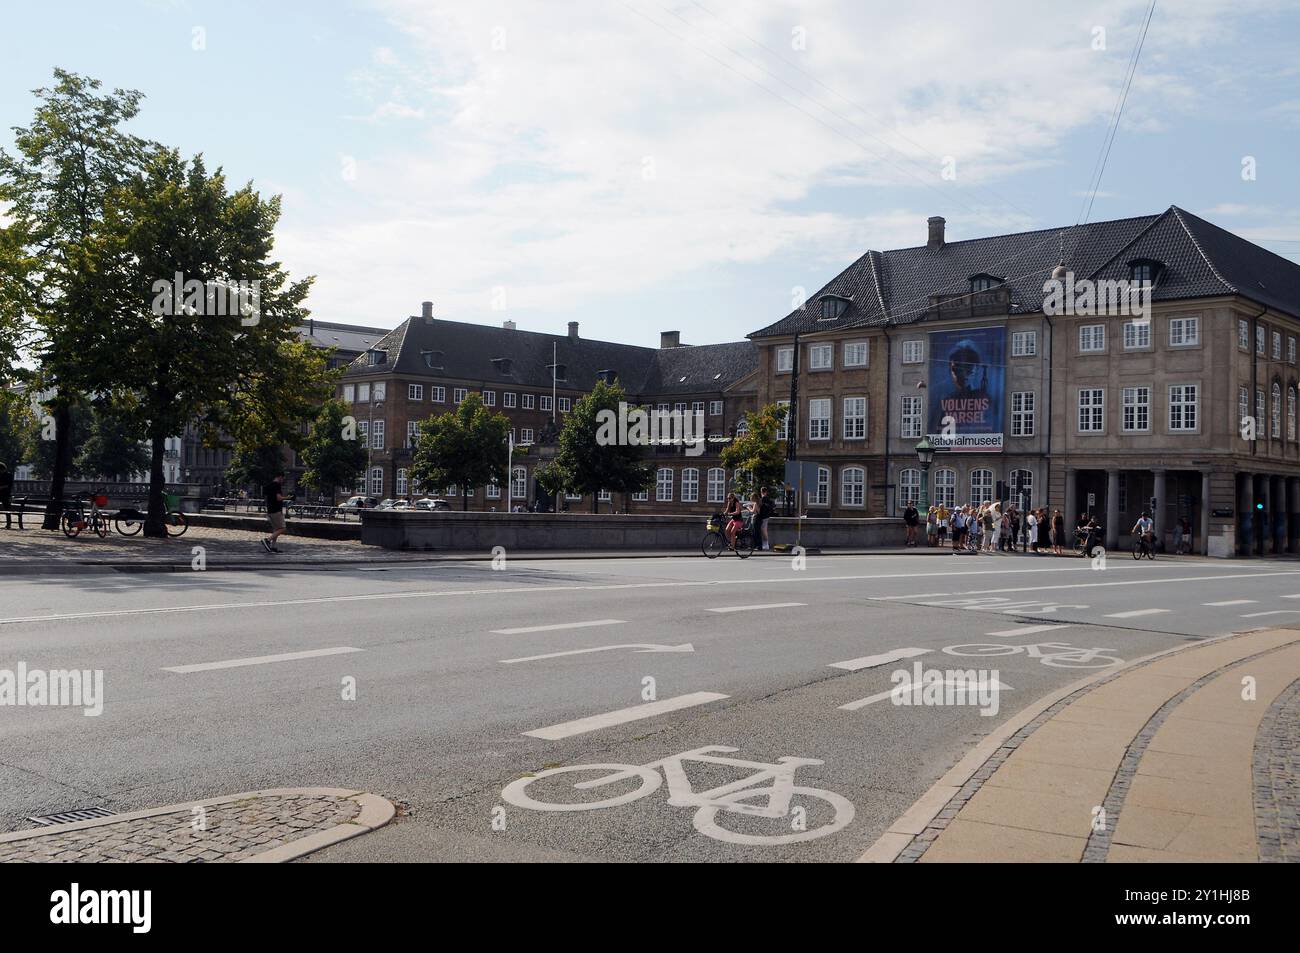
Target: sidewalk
{"type": "Point", "coordinates": [1168, 759]}
{"type": "Point", "coordinates": [269, 826]}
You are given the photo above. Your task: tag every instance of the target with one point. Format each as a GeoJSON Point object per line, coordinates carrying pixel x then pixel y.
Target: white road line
{"type": "Point", "coordinates": [1296, 596]}
{"type": "Point", "coordinates": [558, 627]}
{"type": "Point", "coordinates": [871, 661]}
{"type": "Point", "coordinates": [1024, 630]}
{"type": "Point", "coordinates": [640, 647]}
{"type": "Point", "coordinates": [260, 660]}
{"type": "Point", "coordinates": [899, 690]}
{"type": "Point", "coordinates": [1134, 614]}
{"type": "Point", "coordinates": [621, 717]}
{"type": "Point", "coordinates": [1256, 615]}
{"type": "Point", "coordinates": [1232, 602]}
{"type": "Point", "coordinates": [770, 605]}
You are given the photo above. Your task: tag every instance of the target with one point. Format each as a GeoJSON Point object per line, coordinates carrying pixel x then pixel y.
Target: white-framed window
{"type": "Point", "coordinates": [546, 402]}
{"type": "Point", "coordinates": [458, 395]}
{"type": "Point", "coordinates": [1290, 349]}
{"type": "Point", "coordinates": [1092, 338]}
{"type": "Point", "coordinates": [914, 351]}
{"type": "Point", "coordinates": [363, 393]}
{"type": "Point", "coordinates": [604, 496]}
{"type": "Point", "coordinates": [1261, 339]}
{"type": "Point", "coordinates": [438, 394]}
{"type": "Point", "coordinates": [821, 357]}
{"type": "Point", "coordinates": [1092, 410]}
{"type": "Point", "coordinates": [783, 432]}
{"type": "Point", "coordinates": [1243, 334]}
{"type": "Point", "coordinates": [1024, 343]}
{"type": "Point", "coordinates": [525, 435]}
{"type": "Point", "coordinates": [381, 390]}
{"type": "Point", "coordinates": [1022, 413]}
{"type": "Point", "coordinates": [528, 401]}
{"type": "Point", "coordinates": [664, 485]}
{"type": "Point", "coordinates": [415, 392]}
{"type": "Point", "coordinates": [519, 483]}
{"type": "Point", "coordinates": [1025, 480]}
{"type": "Point", "coordinates": [910, 419]}
{"type": "Point", "coordinates": [717, 485]}
{"type": "Point", "coordinates": [641, 496]}
{"type": "Point", "coordinates": [1277, 345]}
{"type": "Point", "coordinates": [945, 487]}
{"type": "Point", "coordinates": [1243, 408]}
{"type": "Point", "coordinates": [1290, 412]}
{"type": "Point", "coordinates": [376, 481]}
{"type": "Point", "coordinates": [853, 485]}
{"type": "Point", "coordinates": [742, 427]}
{"type": "Point", "coordinates": [509, 399]}
{"type": "Point", "coordinates": [1261, 411]}
{"type": "Point", "coordinates": [821, 496]}
{"type": "Point", "coordinates": [489, 398]}
{"type": "Point", "coordinates": [819, 418]}
{"type": "Point", "coordinates": [663, 408]}
{"type": "Point", "coordinates": [401, 483]}
{"type": "Point", "coordinates": [855, 418]}
{"type": "Point", "coordinates": [697, 409]}
{"type": "Point", "coordinates": [784, 360]}
{"type": "Point", "coordinates": [361, 482]}
{"type": "Point", "coordinates": [493, 490]}
{"type": "Point", "coordinates": [564, 405]}
{"type": "Point", "coordinates": [856, 354]}
{"type": "Point", "coordinates": [909, 488]}
{"type": "Point", "coordinates": [1136, 409]}
{"type": "Point", "coordinates": [1137, 334]}
{"type": "Point", "coordinates": [1182, 407]}
{"type": "Point", "coordinates": [679, 407]}
{"type": "Point", "coordinates": [690, 485]}
{"type": "Point", "coordinates": [377, 435]}
{"type": "Point", "coordinates": [573, 497]}
{"type": "Point", "coordinates": [1184, 332]}
{"type": "Point", "coordinates": [363, 427]}
{"type": "Point", "coordinates": [1277, 410]}
{"type": "Point", "coordinates": [981, 486]}
{"type": "Point", "coordinates": [350, 393]}
{"type": "Point", "coordinates": [715, 408]}
{"type": "Point", "coordinates": [412, 432]}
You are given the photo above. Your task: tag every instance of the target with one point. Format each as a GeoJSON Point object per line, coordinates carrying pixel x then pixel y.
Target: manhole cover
{"type": "Point", "coordinates": [67, 817]}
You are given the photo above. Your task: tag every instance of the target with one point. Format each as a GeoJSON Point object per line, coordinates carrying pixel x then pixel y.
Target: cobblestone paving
{"type": "Point", "coordinates": [1277, 779]}
{"type": "Point", "coordinates": [233, 831]}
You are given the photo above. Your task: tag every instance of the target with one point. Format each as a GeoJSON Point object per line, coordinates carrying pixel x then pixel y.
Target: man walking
{"type": "Point", "coordinates": [274, 494]}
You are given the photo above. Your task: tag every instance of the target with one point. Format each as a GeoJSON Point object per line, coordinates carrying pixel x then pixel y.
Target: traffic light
{"type": "Point", "coordinates": [1153, 504]}
{"type": "Point", "coordinates": [1259, 504]}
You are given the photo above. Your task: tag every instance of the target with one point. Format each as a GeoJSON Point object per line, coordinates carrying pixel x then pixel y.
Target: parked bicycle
{"type": "Point", "coordinates": [130, 521]}
{"type": "Point", "coordinates": [715, 540]}
{"type": "Point", "coordinates": [76, 518]}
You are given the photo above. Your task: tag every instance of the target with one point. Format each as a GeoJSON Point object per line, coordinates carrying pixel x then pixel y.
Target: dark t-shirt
{"type": "Point", "coordinates": [765, 508]}
{"type": "Point", "coordinates": [272, 493]}
{"type": "Point", "coordinates": [6, 485]}
{"type": "Point", "coordinates": [910, 516]}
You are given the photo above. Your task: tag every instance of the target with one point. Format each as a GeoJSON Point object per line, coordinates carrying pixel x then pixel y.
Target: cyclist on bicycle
{"type": "Point", "coordinates": [734, 514]}
{"type": "Point", "coordinates": [1145, 529]}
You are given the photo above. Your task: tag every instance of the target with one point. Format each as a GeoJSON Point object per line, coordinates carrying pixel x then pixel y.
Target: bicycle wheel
{"type": "Point", "coordinates": [1151, 552]}
{"type": "Point", "coordinates": [71, 525]}
{"type": "Point", "coordinates": [713, 544]}
{"type": "Point", "coordinates": [983, 648]}
{"type": "Point", "coordinates": [127, 526]}
{"type": "Point", "coordinates": [176, 523]}
{"type": "Point", "coordinates": [1137, 550]}
{"type": "Point", "coordinates": [706, 818]}
{"type": "Point", "coordinates": [99, 523]}
{"type": "Point", "coordinates": [515, 792]}
{"type": "Point", "coordinates": [744, 543]}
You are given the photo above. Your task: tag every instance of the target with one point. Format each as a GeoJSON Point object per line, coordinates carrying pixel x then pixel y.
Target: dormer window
{"type": "Point", "coordinates": [1145, 271]}
{"type": "Point", "coordinates": [980, 283]}
{"type": "Point", "coordinates": [608, 376]}
{"type": "Point", "coordinates": [374, 357]}
{"type": "Point", "coordinates": [558, 370]}
{"type": "Point", "coordinates": [833, 306]}
{"type": "Point", "coordinates": [502, 364]}
{"type": "Point", "coordinates": [432, 359]}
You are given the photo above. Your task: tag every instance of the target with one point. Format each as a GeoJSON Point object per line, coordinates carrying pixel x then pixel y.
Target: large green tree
{"type": "Point", "coordinates": [111, 448]}
{"type": "Point", "coordinates": [16, 424]}
{"type": "Point", "coordinates": [55, 185]}
{"type": "Point", "coordinates": [334, 455]}
{"type": "Point", "coordinates": [591, 456]}
{"type": "Point", "coordinates": [466, 447]}
{"type": "Point", "coordinates": [40, 446]}
{"type": "Point", "coordinates": [255, 466]}
{"type": "Point", "coordinates": [185, 346]}
{"type": "Point", "coordinates": [758, 455]}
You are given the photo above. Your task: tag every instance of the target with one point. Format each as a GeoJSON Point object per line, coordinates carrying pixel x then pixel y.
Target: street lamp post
{"type": "Point", "coordinates": [925, 454]}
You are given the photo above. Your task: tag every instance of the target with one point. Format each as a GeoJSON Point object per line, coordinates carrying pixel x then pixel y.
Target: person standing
{"type": "Point", "coordinates": [766, 510]}
{"type": "Point", "coordinates": [911, 518]}
{"type": "Point", "coordinates": [1058, 532]}
{"type": "Point", "coordinates": [274, 493]}
{"type": "Point", "coordinates": [6, 491]}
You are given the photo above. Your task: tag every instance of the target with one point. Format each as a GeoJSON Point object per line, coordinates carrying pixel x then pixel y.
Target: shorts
{"type": "Point", "coordinates": [276, 521]}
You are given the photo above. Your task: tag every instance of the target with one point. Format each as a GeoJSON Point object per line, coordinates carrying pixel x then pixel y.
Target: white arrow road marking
{"type": "Point", "coordinates": [1134, 614]}
{"type": "Point", "coordinates": [558, 627]}
{"type": "Point", "coordinates": [260, 660]}
{"type": "Point", "coordinates": [1025, 630]}
{"type": "Point", "coordinates": [871, 661]}
{"type": "Point", "coordinates": [640, 647]}
{"type": "Point", "coordinates": [621, 717]}
{"type": "Point", "coordinates": [1232, 602]}
{"type": "Point", "coordinates": [1256, 615]}
{"type": "Point", "coordinates": [770, 605]}
{"type": "Point", "coordinates": [904, 689]}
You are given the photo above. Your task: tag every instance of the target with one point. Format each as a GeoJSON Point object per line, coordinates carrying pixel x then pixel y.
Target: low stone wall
{"type": "Point", "coordinates": [316, 529]}
{"type": "Point", "coordinates": [469, 532]}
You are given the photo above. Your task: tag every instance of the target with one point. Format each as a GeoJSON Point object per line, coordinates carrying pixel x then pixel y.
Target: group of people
{"type": "Point", "coordinates": [759, 508]}
{"type": "Point", "coordinates": [988, 527]}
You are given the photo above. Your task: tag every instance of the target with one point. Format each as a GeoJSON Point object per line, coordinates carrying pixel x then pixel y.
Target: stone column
{"type": "Point", "coordinates": [1159, 514]}
{"type": "Point", "coordinates": [1277, 495]}
{"type": "Point", "coordinates": [1246, 513]}
{"type": "Point", "coordinates": [1293, 514]}
{"type": "Point", "coordinates": [1265, 516]}
{"type": "Point", "coordinates": [1205, 513]}
{"type": "Point", "coordinates": [1112, 509]}
{"type": "Point", "coordinates": [1070, 508]}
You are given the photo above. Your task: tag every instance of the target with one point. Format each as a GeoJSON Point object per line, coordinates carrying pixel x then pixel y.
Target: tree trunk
{"type": "Point", "coordinates": [464, 500]}
{"type": "Point", "coordinates": [153, 524]}
{"type": "Point", "coordinates": [62, 460]}
{"type": "Point", "coordinates": [595, 502]}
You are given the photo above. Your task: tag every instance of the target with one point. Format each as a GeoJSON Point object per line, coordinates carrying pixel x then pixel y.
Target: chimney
{"type": "Point", "coordinates": [573, 331]}
{"type": "Point", "coordinates": [936, 223]}
{"type": "Point", "coordinates": [426, 310]}
{"type": "Point", "coordinates": [670, 339]}
{"type": "Point", "coordinates": [509, 325]}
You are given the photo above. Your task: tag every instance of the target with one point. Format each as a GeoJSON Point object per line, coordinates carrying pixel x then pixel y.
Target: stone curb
{"type": "Point", "coordinates": [375, 813]}
{"type": "Point", "coordinates": [918, 817]}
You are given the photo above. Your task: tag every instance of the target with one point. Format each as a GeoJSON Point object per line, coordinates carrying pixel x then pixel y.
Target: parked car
{"type": "Point", "coordinates": [360, 503]}
{"type": "Point", "coordinates": [386, 504]}
{"type": "Point", "coordinates": [401, 505]}
{"type": "Point", "coordinates": [428, 504]}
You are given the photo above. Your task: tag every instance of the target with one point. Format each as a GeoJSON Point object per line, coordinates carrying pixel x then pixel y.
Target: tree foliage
{"type": "Point", "coordinates": [758, 456]}
{"type": "Point", "coordinates": [587, 465]}
{"type": "Point", "coordinates": [465, 447]}
{"type": "Point", "coordinates": [334, 456]}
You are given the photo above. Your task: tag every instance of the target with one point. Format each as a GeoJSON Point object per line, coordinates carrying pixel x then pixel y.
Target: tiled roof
{"type": "Point", "coordinates": [348, 338]}
{"type": "Point", "coordinates": [1200, 259]}
{"type": "Point", "coordinates": [423, 347]}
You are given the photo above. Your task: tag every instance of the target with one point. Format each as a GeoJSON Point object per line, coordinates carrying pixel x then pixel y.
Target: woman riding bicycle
{"type": "Point", "coordinates": [735, 519]}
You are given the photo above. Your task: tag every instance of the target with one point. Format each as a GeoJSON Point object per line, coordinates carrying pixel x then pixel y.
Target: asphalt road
{"type": "Point", "coordinates": [468, 679]}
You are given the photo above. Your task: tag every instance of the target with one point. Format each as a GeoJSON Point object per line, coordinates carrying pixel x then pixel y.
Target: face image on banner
{"type": "Point", "coordinates": [967, 388]}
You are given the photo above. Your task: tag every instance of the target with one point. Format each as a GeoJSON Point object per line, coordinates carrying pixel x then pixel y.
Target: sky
{"type": "Point", "coordinates": [649, 165]}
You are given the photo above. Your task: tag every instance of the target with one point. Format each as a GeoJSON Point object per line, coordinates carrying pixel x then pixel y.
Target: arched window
{"type": "Point", "coordinates": [822, 495]}
{"type": "Point", "coordinates": [401, 483]}
{"type": "Point", "coordinates": [742, 427]}
{"type": "Point", "coordinates": [519, 483]}
{"type": "Point", "coordinates": [909, 488]}
{"type": "Point", "coordinates": [717, 488]}
{"type": "Point", "coordinates": [664, 485]}
{"type": "Point", "coordinates": [981, 486]}
{"type": "Point", "coordinates": [377, 481]}
{"type": "Point", "coordinates": [852, 486]}
{"type": "Point", "coordinates": [1026, 478]}
{"type": "Point", "coordinates": [1277, 410]}
{"type": "Point", "coordinates": [945, 487]}
{"type": "Point", "coordinates": [690, 485]}
{"type": "Point", "coordinates": [1290, 412]}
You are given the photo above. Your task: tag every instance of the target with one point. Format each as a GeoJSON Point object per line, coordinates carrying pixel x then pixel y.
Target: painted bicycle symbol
{"type": "Point", "coordinates": [1055, 654]}
{"type": "Point", "coordinates": [767, 793]}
